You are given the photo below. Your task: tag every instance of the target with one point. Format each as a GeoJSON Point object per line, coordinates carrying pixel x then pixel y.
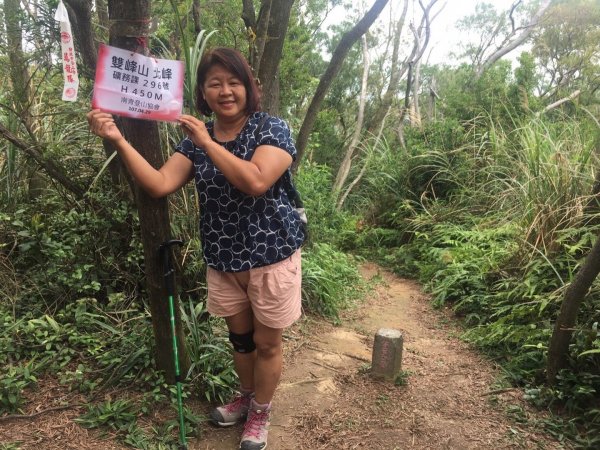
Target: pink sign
{"type": "Point", "coordinates": [133, 85]}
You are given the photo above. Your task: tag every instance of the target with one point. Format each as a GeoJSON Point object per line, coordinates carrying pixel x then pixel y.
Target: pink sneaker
{"type": "Point", "coordinates": [234, 412]}
{"type": "Point", "coordinates": [256, 429]}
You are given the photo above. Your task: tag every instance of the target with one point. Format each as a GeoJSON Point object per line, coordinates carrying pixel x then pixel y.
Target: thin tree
{"type": "Point", "coordinates": [85, 38]}
{"type": "Point", "coordinates": [366, 162]}
{"type": "Point", "coordinates": [19, 72]}
{"type": "Point", "coordinates": [80, 14]}
{"type": "Point", "coordinates": [337, 59]}
{"type": "Point", "coordinates": [397, 70]}
{"type": "Point", "coordinates": [421, 35]}
{"type": "Point", "coordinates": [267, 35]}
{"type": "Point", "coordinates": [558, 349]}
{"type": "Point", "coordinates": [344, 169]}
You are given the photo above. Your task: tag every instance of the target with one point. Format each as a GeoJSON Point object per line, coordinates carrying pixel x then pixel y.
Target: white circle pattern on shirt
{"type": "Point", "coordinates": [239, 231]}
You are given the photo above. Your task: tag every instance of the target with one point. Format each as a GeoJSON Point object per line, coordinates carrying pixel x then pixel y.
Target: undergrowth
{"type": "Point", "coordinates": [75, 310]}
{"type": "Point", "coordinates": [500, 245]}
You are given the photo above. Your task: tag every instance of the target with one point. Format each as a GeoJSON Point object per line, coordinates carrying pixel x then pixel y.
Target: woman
{"type": "Point", "coordinates": [251, 234]}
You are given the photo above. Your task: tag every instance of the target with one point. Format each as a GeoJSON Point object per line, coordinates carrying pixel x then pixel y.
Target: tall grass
{"type": "Point", "coordinates": [500, 244]}
{"type": "Point", "coordinates": [548, 176]}
{"type": "Point", "coordinates": [331, 281]}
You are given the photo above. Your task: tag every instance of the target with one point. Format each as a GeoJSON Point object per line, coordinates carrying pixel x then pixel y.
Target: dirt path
{"type": "Point", "coordinates": [327, 400]}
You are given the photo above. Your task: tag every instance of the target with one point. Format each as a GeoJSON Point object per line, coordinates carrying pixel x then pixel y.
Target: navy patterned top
{"type": "Point", "coordinates": [239, 231]}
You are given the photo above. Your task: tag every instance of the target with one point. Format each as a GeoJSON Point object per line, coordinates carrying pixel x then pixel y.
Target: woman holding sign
{"type": "Point", "coordinates": [251, 233]}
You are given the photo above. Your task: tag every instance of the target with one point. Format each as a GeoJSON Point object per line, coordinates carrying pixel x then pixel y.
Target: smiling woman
{"type": "Point", "coordinates": [251, 233]}
{"type": "Point", "coordinates": [219, 68]}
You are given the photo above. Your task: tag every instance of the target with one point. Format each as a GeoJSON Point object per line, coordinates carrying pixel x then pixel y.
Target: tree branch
{"type": "Point", "coordinates": [54, 171]}
{"type": "Point", "coordinates": [559, 102]}
{"type": "Point", "coordinates": [517, 41]}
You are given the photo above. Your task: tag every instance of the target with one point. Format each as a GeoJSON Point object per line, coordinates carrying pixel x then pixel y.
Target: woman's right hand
{"type": "Point", "coordinates": [103, 125]}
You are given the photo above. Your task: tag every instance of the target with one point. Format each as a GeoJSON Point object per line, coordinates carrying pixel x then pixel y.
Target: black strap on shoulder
{"type": "Point", "coordinates": [260, 126]}
{"type": "Point", "coordinates": [288, 185]}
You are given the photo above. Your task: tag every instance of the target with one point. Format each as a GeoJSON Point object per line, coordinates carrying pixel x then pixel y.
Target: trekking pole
{"type": "Point", "coordinates": [169, 274]}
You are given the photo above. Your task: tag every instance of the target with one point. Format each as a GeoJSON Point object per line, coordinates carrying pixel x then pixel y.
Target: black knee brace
{"type": "Point", "coordinates": [243, 343]}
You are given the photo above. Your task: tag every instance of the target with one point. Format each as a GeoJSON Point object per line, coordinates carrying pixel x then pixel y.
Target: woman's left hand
{"type": "Point", "coordinates": [195, 130]}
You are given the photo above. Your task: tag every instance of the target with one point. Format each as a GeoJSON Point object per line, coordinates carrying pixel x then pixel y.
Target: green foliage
{"type": "Point", "coordinates": [402, 378]}
{"type": "Point", "coordinates": [500, 246]}
{"type": "Point", "coordinates": [92, 347]}
{"type": "Point", "coordinates": [122, 416]}
{"type": "Point", "coordinates": [547, 173]}
{"type": "Point", "coordinates": [330, 280]}
{"type": "Point", "coordinates": [62, 253]}
{"type": "Point", "coordinates": [211, 370]}
{"type": "Point", "coordinates": [521, 93]}
{"type": "Point", "coordinates": [12, 384]}
{"type": "Point", "coordinates": [569, 63]}
{"type": "Point", "coordinates": [325, 223]}
{"type": "Point", "coordinates": [117, 414]}
{"type": "Point", "coordinates": [192, 53]}
{"type": "Point", "coordinates": [9, 446]}
{"type": "Point", "coordinates": [486, 203]}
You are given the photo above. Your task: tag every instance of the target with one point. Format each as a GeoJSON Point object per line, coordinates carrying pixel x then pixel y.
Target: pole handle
{"type": "Point", "coordinates": [165, 255]}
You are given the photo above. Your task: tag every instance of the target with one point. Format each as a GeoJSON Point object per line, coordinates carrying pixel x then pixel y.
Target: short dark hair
{"type": "Point", "coordinates": [233, 61]}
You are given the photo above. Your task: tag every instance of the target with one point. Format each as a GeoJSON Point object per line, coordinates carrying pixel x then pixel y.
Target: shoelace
{"type": "Point", "coordinates": [257, 420]}
{"type": "Point", "coordinates": [237, 403]}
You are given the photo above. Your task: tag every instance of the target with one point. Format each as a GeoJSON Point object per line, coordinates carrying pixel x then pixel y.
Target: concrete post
{"type": "Point", "coordinates": [387, 354]}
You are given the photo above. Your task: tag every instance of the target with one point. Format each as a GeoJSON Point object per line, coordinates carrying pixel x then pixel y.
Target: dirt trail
{"type": "Point", "coordinates": [327, 400]}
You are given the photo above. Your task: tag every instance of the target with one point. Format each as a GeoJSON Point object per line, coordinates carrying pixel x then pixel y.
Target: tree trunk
{"type": "Point", "coordinates": [257, 31]}
{"type": "Point", "coordinates": [196, 16]}
{"type": "Point", "coordinates": [333, 68]}
{"type": "Point", "coordinates": [558, 350]}
{"type": "Point", "coordinates": [416, 87]}
{"type": "Point", "coordinates": [366, 162]}
{"type": "Point", "coordinates": [102, 11]}
{"type": "Point", "coordinates": [395, 75]}
{"type": "Point", "coordinates": [344, 169]}
{"type": "Point", "coordinates": [415, 58]}
{"type": "Point", "coordinates": [557, 103]}
{"type": "Point", "coordinates": [268, 71]}
{"type": "Point", "coordinates": [153, 213]}
{"type": "Point", "coordinates": [19, 73]}
{"type": "Point", "coordinates": [37, 154]}
{"type": "Point", "coordinates": [21, 96]}
{"type": "Point", "coordinates": [593, 204]}
{"type": "Point", "coordinates": [80, 14]}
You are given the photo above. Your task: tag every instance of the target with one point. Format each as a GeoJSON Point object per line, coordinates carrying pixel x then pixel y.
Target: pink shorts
{"type": "Point", "coordinates": [273, 292]}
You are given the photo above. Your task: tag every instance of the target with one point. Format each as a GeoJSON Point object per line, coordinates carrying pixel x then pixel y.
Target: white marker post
{"type": "Point", "coordinates": [68, 54]}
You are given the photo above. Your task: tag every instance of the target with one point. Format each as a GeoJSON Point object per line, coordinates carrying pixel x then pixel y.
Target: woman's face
{"type": "Point", "coordinates": [224, 93]}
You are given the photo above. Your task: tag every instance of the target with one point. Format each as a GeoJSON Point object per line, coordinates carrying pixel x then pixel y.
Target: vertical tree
{"type": "Point", "coordinates": [335, 64]}
{"type": "Point", "coordinates": [130, 32]}
{"type": "Point", "coordinates": [344, 169]}
{"type": "Point", "coordinates": [421, 40]}
{"type": "Point", "coordinates": [396, 73]}
{"type": "Point", "coordinates": [80, 14]}
{"type": "Point", "coordinates": [267, 35]}
{"type": "Point", "coordinates": [19, 72]}
{"type": "Point", "coordinates": [558, 350]}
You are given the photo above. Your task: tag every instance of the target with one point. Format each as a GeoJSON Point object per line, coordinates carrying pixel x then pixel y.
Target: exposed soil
{"type": "Point", "coordinates": [328, 400]}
